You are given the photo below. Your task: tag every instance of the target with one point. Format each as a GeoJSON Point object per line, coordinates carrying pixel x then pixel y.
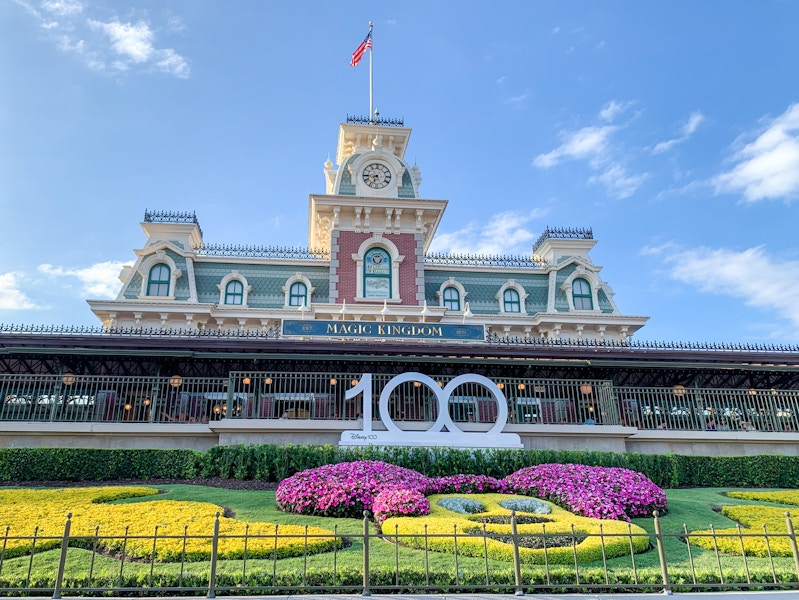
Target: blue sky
{"type": "Point", "coordinates": [669, 127]}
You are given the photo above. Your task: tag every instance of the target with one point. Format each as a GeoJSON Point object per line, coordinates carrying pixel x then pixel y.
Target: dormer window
{"type": "Point", "coordinates": [158, 280]}
{"type": "Point", "coordinates": [581, 295]}
{"type": "Point", "coordinates": [298, 294]}
{"type": "Point", "coordinates": [511, 298]}
{"type": "Point", "coordinates": [234, 292]}
{"type": "Point", "coordinates": [452, 298]}
{"type": "Point", "coordinates": [511, 301]}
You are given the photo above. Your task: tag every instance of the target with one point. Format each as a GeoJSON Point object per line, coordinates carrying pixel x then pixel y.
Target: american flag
{"type": "Point", "coordinates": [366, 44]}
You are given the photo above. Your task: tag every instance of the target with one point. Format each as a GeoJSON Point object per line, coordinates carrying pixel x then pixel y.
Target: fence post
{"type": "Point", "coordinates": [661, 554]}
{"type": "Point", "coordinates": [214, 550]}
{"type": "Point", "coordinates": [517, 566]}
{"type": "Point", "coordinates": [792, 537]}
{"type": "Point", "coordinates": [366, 591]}
{"type": "Point", "coordinates": [63, 560]}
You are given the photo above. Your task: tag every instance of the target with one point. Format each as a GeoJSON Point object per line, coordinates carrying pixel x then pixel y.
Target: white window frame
{"type": "Point", "coordinates": [222, 287]}
{"type": "Point", "coordinates": [511, 284]}
{"type": "Point", "coordinates": [452, 283]}
{"type": "Point", "coordinates": [309, 290]}
{"type": "Point", "coordinates": [592, 279]}
{"type": "Point", "coordinates": [144, 270]}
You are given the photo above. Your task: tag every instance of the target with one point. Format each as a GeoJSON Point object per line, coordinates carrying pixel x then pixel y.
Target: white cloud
{"type": "Point", "coordinates": [100, 280]}
{"type": "Point", "coordinates": [172, 63]}
{"type": "Point", "coordinates": [501, 80]}
{"type": "Point", "coordinates": [587, 143]}
{"type": "Point", "coordinates": [613, 109]}
{"type": "Point", "coordinates": [108, 46]}
{"type": "Point", "coordinates": [63, 8]}
{"type": "Point", "coordinates": [11, 297]}
{"type": "Point", "coordinates": [695, 119]}
{"type": "Point", "coordinates": [594, 144]}
{"type": "Point", "coordinates": [519, 100]}
{"type": "Point", "coordinates": [619, 183]}
{"type": "Point", "coordinates": [133, 41]}
{"type": "Point", "coordinates": [503, 233]}
{"type": "Point", "coordinates": [762, 281]}
{"type": "Point", "coordinates": [768, 167]}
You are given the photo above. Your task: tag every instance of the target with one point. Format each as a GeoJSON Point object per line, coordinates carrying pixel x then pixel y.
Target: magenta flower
{"type": "Point", "coordinates": [599, 492]}
{"type": "Point", "coordinates": [399, 503]}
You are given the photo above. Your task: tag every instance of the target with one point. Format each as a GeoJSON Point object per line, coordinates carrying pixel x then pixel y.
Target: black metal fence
{"type": "Point", "coordinates": [84, 565]}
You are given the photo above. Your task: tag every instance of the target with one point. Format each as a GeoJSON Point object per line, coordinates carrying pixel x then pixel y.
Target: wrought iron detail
{"type": "Point", "coordinates": [272, 332]}
{"type": "Point", "coordinates": [263, 251]}
{"type": "Point", "coordinates": [164, 216]}
{"type": "Point", "coordinates": [484, 260]}
{"type": "Point", "coordinates": [495, 338]}
{"type": "Point", "coordinates": [380, 121]}
{"type": "Point", "coordinates": [563, 233]}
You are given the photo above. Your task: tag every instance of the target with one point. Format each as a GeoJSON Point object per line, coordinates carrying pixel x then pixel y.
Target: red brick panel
{"type": "Point", "coordinates": [349, 244]}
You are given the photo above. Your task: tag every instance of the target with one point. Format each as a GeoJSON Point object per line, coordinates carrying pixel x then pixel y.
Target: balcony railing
{"type": "Point", "coordinates": [322, 396]}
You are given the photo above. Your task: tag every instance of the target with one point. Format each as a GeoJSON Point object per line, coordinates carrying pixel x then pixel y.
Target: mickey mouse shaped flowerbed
{"type": "Point", "coordinates": [577, 509]}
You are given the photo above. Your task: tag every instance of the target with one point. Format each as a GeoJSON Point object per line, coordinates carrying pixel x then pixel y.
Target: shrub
{"type": "Point", "coordinates": [464, 506]}
{"type": "Point", "coordinates": [599, 492]}
{"type": "Point", "coordinates": [435, 532]}
{"type": "Point", "coordinates": [527, 505]}
{"type": "Point", "coordinates": [755, 520]}
{"type": "Point", "coordinates": [464, 484]}
{"type": "Point", "coordinates": [399, 503]}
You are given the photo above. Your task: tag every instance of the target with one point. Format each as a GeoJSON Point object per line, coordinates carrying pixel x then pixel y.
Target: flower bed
{"type": "Point", "coordinates": [344, 489]}
{"type": "Point", "coordinates": [399, 503]}
{"type": "Point", "coordinates": [464, 484]}
{"type": "Point", "coordinates": [22, 509]}
{"type": "Point", "coordinates": [347, 489]}
{"type": "Point", "coordinates": [559, 524]}
{"type": "Point", "coordinates": [599, 492]}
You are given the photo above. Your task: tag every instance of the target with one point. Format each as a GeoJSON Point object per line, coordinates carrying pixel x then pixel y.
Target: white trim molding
{"type": "Point", "coordinates": [297, 278]}
{"type": "Point", "coordinates": [593, 280]}
{"type": "Point", "coordinates": [222, 286]}
{"type": "Point", "coordinates": [159, 257]}
{"type": "Point", "coordinates": [511, 284]}
{"type": "Point", "coordinates": [452, 283]}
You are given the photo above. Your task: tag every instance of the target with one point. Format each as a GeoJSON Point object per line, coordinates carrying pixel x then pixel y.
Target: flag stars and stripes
{"type": "Point", "coordinates": [366, 44]}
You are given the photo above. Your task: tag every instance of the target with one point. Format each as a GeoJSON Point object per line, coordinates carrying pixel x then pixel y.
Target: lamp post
{"type": "Point", "coordinates": [176, 381]}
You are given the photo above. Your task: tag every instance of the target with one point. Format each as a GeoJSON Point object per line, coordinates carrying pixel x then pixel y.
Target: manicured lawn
{"type": "Point", "coordinates": [691, 508]}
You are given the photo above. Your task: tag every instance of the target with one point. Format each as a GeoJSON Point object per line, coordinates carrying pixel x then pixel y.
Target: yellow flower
{"type": "Point", "coordinates": [164, 527]}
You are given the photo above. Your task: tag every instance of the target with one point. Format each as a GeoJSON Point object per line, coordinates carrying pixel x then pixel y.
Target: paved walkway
{"type": "Point", "coordinates": [767, 595]}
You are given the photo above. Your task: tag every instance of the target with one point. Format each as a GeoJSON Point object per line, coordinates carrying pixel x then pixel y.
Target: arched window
{"type": "Point", "coordinates": [376, 274]}
{"type": "Point", "coordinates": [511, 301]}
{"type": "Point", "coordinates": [581, 294]}
{"type": "Point", "coordinates": [298, 294]}
{"type": "Point", "coordinates": [452, 298]}
{"type": "Point", "coordinates": [234, 292]}
{"type": "Point", "coordinates": [158, 280]}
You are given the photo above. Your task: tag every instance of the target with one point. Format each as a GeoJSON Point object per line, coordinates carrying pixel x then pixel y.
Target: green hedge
{"type": "Point", "coordinates": [274, 463]}
{"type": "Point", "coordinates": [91, 464]}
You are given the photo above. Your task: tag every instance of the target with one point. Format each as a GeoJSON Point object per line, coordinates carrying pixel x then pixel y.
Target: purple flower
{"type": "Point", "coordinates": [399, 503]}
{"type": "Point", "coordinates": [599, 492]}
{"type": "Point", "coordinates": [344, 489]}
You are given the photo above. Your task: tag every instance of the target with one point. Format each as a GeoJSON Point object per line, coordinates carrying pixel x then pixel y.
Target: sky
{"type": "Point", "coordinates": [671, 128]}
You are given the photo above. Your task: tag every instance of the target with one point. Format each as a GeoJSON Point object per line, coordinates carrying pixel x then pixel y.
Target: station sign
{"type": "Point", "coordinates": [380, 330]}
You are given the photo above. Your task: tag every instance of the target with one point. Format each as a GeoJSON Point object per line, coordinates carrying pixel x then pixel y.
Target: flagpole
{"type": "Point", "coordinates": [371, 51]}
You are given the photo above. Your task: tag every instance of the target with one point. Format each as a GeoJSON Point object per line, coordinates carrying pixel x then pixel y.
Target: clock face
{"type": "Point", "coordinates": [376, 176]}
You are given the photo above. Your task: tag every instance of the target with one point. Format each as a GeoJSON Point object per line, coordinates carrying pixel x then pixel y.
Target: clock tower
{"type": "Point", "coordinates": [372, 219]}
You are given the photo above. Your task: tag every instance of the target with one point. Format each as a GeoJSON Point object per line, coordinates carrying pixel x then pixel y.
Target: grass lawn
{"type": "Point", "coordinates": [691, 508]}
